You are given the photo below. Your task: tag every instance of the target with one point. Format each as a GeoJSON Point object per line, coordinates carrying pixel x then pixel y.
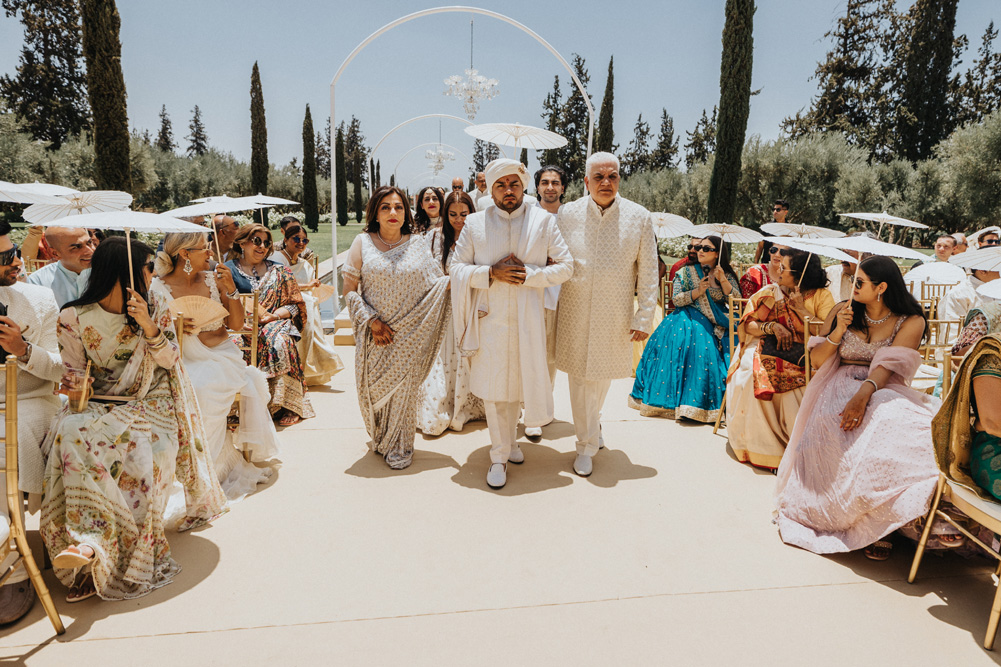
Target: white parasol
{"type": "Point", "coordinates": [263, 201]}
{"type": "Point", "coordinates": [47, 189]}
{"type": "Point", "coordinates": [991, 290]}
{"type": "Point", "coordinates": [727, 232]}
{"type": "Point", "coordinates": [984, 259]}
{"type": "Point", "coordinates": [812, 248]}
{"type": "Point", "coordinates": [864, 244]}
{"type": "Point", "coordinates": [127, 221]}
{"type": "Point", "coordinates": [79, 203]}
{"type": "Point", "coordinates": [18, 193]}
{"type": "Point", "coordinates": [939, 273]}
{"type": "Point", "coordinates": [669, 225]}
{"type": "Point", "coordinates": [884, 218]}
{"type": "Point", "coordinates": [517, 135]}
{"type": "Point", "coordinates": [787, 229]}
{"type": "Point", "coordinates": [212, 206]}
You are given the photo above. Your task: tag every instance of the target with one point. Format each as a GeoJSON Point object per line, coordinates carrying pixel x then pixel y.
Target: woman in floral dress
{"type": "Point", "coordinates": [281, 325]}
{"type": "Point", "coordinates": [109, 467]}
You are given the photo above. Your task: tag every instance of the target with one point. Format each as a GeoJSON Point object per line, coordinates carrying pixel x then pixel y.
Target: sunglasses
{"type": "Point", "coordinates": [258, 241]}
{"type": "Point", "coordinates": [301, 240]}
{"type": "Point", "coordinates": [7, 256]}
{"type": "Point", "coordinates": [779, 208]}
{"type": "Point", "coordinates": [859, 282]}
{"type": "Point", "coordinates": [703, 248]}
{"type": "Point", "coordinates": [992, 242]}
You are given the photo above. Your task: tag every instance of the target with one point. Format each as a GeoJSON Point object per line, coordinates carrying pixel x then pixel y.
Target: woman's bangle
{"type": "Point", "coordinates": [234, 294]}
{"type": "Point", "coordinates": [872, 382]}
{"type": "Point", "coordinates": [156, 342]}
{"type": "Point", "coordinates": [828, 337]}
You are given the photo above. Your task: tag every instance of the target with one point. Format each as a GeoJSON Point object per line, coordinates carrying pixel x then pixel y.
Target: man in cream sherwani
{"type": "Point", "coordinates": [499, 276]}
{"type": "Point", "coordinates": [614, 249]}
{"type": "Point", "coordinates": [28, 331]}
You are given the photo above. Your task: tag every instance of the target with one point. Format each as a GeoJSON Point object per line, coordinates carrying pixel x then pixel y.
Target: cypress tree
{"type": "Point", "coordinates": [378, 173]}
{"type": "Point", "coordinates": [48, 90]}
{"type": "Point", "coordinates": [524, 156]}
{"type": "Point", "coordinates": [198, 140]}
{"type": "Point", "coordinates": [848, 76]}
{"type": "Point", "coordinates": [701, 141]}
{"type": "Point", "coordinates": [637, 158]}
{"type": "Point", "coordinates": [574, 124]}
{"type": "Point", "coordinates": [606, 135]}
{"type": "Point", "coordinates": [165, 137]}
{"type": "Point", "coordinates": [665, 155]}
{"type": "Point", "coordinates": [735, 105]}
{"type": "Point", "coordinates": [258, 135]}
{"type": "Point", "coordinates": [925, 116]}
{"type": "Point", "coordinates": [356, 182]}
{"type": "Point", "coordinates": [342, 178]}
{"type": "Point", "coordinates": [310, 205]}
{"type": "Point", "coordinates": [980, 92]}
{"type": "Point", "coordinates": [323, 152]}
{"type": "Point", "coordinates": [551, 114]}
{"type": "Point", "coordinates": [371, 171]}
{"type": "Point", "coordinates": [479, 156]}
{"type": "Point", "coordinates": [392, 179]}
{"type": "Point", "coordinates": [106, 89]}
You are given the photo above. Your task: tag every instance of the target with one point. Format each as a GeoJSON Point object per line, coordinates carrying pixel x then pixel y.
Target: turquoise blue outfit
{"type": "Point", "coordinates": [682, 373]}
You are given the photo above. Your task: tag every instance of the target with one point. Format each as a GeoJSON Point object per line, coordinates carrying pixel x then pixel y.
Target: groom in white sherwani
{"type": "Point", "coordinates": [499, 275]}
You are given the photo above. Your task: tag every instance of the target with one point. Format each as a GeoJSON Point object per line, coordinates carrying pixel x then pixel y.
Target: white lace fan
{"type": "Point", "coordinates": [322, 292]}
{"type": "Point", "coordinates": [198, 308]}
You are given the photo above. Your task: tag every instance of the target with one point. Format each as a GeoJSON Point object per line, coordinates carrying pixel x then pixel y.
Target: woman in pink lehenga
{"type": "Point", "coordinates": [860, 462]}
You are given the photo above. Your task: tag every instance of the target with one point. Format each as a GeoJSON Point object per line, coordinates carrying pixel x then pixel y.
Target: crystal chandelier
{"type": "Point", "coordinates": [437, 159]}
{"type": "Point", "coordinates": [475, 88]}
{"type": "Point", "coordinates": [439, 156]}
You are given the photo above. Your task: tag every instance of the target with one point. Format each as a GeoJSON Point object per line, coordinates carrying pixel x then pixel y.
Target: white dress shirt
{"type": "Point", "coordinates": [65, 285]}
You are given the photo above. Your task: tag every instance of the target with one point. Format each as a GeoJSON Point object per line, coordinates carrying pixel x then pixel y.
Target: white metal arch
{"type": "Point", "coordinates": [446, 10]}
{"type": "Point", "coordinates": [407, 122]}
{"type": "Point", "coordinates": [430, 143]}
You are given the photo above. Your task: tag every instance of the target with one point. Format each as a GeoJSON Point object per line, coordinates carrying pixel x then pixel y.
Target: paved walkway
{"type": "Point", "coordinates": [665, 555]}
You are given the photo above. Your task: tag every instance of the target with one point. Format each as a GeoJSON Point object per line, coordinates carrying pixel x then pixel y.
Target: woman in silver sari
{"type": "Point", "coordinates": [398, 298]}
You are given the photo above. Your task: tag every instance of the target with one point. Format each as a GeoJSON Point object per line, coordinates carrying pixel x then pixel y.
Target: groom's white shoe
{"type": "Point", "coordinates": [582, 465]}
{"type": "Point", "coordinates": [516, 455]}
{"type": "Point", "coordinates": [497, 475]}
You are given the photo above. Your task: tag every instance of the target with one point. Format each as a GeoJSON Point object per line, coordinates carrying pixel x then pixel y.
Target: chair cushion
{"type": "Point", "coordinates": [966, 500]}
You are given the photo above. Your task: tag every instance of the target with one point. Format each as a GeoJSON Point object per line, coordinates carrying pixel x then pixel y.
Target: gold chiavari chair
{"type": "Point", "coordinates": [179, 330]}
{"type": "Point", "coordinates": [941, 334]}
{"type": "Point", "coordinates": [13, 537]}
{"type": "Point", "coordinates": [667, 293]}
{"type": "Point", "coordinates": [736, 306]}
{"type": "Point", "coordinates": [250, 330]}
{"type": "Point", "coordinates": [987, 513]}
{"type": "Point", "coordinates": [935, 290]}
{"type": "Point", "coordinates": [930, 307]}
{"type": "Point", "coordinates": [32, 265]}
{"type": "Point", "coordinates": [314, 259]}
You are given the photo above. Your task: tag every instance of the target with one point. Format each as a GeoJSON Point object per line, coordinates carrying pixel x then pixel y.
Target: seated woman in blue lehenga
{"type": "Point", "coordinates": [682, 374]}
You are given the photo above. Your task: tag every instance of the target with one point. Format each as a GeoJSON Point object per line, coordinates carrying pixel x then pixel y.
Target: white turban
{"type": "Point", "coordinates": [505, 167]}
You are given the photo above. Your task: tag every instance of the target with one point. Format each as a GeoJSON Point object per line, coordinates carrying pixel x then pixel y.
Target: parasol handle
{"type": "Point", "coordinates": [218, 250]}
{"type": "Point", "coordinates": [803, 275]}
{"type": "Point", "coordinates": [128, 249]}
{"type": "Point", "coordinates": [83, 395]}
{"type": "Point", "coordinates": [855, 278]}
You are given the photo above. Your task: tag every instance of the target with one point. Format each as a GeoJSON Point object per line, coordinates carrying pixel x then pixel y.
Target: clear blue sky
{"type": "Point", "coordinates": [187, 52]}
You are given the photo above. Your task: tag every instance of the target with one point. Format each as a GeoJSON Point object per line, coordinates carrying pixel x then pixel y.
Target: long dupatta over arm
{"type": "Point", "coordinates": [407, 290]}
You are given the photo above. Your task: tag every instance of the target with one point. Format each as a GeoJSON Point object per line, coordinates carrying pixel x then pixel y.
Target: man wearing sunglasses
{"type": "Point", "coordinates": [67, 277]}
{"type": "Point", "coordinates": [28, 320]}
{"type": "Point", "coordinates": [780, 210]}
{"type": "Point", "coordinates": [988, 238]}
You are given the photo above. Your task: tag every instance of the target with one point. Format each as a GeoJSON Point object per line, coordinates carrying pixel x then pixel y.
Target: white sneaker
{"type": "Point", "coordinates": [497, 475]}
{"type": "Point", "coordinates": [516, 455]}
{"type": "Point", "coordinates": [582, 465]}
{"type": "Point", "coordinates": [533, 433]}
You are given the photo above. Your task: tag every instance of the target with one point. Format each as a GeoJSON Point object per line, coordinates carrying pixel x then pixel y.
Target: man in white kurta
{"type": "Point", "coordinates": [28, 331]}
{"type": "Point", "coordinates": [499, 275]}
{"type": "Point", "coordinates": [615, 256]}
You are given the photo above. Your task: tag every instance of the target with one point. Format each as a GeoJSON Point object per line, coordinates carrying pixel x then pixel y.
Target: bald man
{"type": "Point", "coordinates": [226, 229]}
{"type": "Point", "coordinates": [480, 192]}
{"type": "Point", "coordinates": [457, 184]}
{"type": "Point", "coordinates": [67, 277]}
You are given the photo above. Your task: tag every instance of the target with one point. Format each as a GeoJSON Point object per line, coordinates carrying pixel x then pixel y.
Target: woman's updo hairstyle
{"type": "Point", "coordinates": [173, 244]}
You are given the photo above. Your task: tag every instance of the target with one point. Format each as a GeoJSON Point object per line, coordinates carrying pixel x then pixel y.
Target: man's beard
{"type": "Point", "coordinates": [550, 199]}
{"type": "Point", "coordinates": [8, 278]}
{"type": "Point", "coordinates": [509, 208]}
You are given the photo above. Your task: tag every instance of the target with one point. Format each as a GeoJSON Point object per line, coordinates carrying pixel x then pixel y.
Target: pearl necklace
{"type": "Point", "coordinates": [875, 322]}
{"type": "Point", "coordinates": [387, 243]}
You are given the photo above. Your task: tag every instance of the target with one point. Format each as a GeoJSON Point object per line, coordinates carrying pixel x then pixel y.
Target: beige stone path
{"type": "Point", "coordinates": [665, 555]}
